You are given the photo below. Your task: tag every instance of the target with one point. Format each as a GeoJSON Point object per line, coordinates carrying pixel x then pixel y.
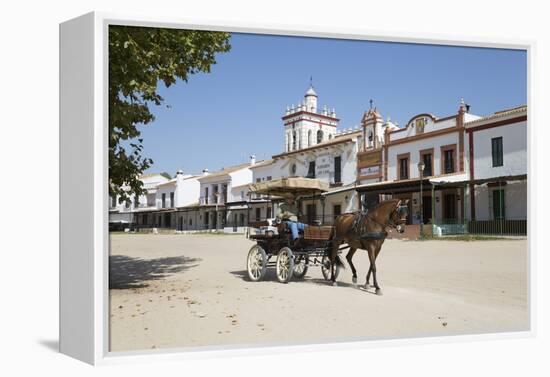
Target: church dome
{"type": "Point", "coordinates": [311, 92]}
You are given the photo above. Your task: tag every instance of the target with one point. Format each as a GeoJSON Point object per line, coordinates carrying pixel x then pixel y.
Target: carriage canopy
{"type": "Point", "coordinates": [291, 186]}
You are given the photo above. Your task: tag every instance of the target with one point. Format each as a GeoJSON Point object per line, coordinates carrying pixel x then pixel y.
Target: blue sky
{"type": "Point", "coordinates": [219, 119]}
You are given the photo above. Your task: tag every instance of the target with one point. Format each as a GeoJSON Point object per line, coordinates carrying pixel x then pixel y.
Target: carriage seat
{"type": "Point", "coordinates": [284, 228]}
{"type": "Point", "coordinates": [258, 224]}
{"type": "Point", "coordinates": [314, 232]}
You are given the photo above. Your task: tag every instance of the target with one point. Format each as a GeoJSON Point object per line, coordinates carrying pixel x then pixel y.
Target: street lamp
{"type": "Point", "coordinates": [421, 167]}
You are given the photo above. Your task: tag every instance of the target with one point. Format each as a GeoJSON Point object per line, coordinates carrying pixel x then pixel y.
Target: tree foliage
{"type": "Point", "coordinates": [140, 58]}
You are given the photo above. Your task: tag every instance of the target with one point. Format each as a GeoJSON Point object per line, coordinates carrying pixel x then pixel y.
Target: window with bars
{"type": "Point", "coordinates": [337, 169]}
{"type": "Point", "coordinates": [404, 168]}
{"type": "Point", "coordinates": [497, 152]}
{"type": "Point", "coordinates": [311, 170]}
{"type": "Point", "coordinates": [427, 159]}
{"type": "Point", "coordinates": [449, 161]}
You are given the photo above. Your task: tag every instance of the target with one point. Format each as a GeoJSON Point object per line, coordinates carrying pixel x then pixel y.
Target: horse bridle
{"type": "Point", "coordinates": [400, 208]}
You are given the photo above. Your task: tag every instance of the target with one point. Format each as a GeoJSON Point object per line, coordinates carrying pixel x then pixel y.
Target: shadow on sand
{"type": "Point", "coordinates": [126, 272]}
{"type": "Point", "coordinates": [270, 277]}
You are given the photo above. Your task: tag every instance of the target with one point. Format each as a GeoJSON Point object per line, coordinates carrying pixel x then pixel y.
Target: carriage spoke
{"type": "Point", "coordinates": [256, 263]}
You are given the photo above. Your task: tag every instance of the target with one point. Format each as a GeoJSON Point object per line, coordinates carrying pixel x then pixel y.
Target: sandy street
{"type": "Point", "coordinates": [190, 291]}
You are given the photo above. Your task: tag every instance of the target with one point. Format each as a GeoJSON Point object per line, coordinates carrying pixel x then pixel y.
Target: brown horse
{"type": "Point", "coordinates": [367, 232]}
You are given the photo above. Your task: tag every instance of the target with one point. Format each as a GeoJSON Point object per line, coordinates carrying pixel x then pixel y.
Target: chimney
{"type": "Point", "coordinates": [252, 159]}
{"type": "Point", "coordinates": [179, 176]}
{"type": "Point", "coordinates": [205, 171]}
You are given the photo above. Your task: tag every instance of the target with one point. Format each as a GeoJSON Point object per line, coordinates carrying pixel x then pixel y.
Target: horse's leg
{"type": "Point", "coordinates": [332, 258]}
{"type": "Point", "coordinates": [368, 275]}
{"type": "Point", "coordinates": [370, 267]}
{"type": "Point", "coordinates": [376, 251]}
{"type": "Point", "coordinates": [349, 257]}
{"type": "Point", "coordinates": [371, 249]}
{"type": "Point", "coordinates": [366, 247]}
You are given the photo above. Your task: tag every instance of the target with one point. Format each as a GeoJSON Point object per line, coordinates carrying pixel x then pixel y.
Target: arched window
{"type": "Point", "coordinates": [288, 141]}
{"type": "Point", "coordinates": [371, 138]}
{"type": "Point", "coordinates": [293, 140]}
{"type": "Point", "coordinates": [319, 136]}
{"type": "Point", "coordinates": [330, 137]}
{"type": "Point", "coordinates": [309, 138]}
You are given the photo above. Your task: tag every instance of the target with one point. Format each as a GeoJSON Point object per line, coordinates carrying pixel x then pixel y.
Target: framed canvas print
{"type": "Point", "coordinates": [228, 189]}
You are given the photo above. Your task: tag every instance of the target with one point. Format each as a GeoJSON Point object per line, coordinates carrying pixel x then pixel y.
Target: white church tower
{"type": "Point", "coordinates": [306, 126]}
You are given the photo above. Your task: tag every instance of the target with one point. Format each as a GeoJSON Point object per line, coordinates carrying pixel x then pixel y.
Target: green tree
{"type": "Point", "coordinates": [140, 58]}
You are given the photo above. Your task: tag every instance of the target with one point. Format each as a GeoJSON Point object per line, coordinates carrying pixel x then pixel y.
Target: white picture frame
{"type": "Point", "coordinates": [84, 238]}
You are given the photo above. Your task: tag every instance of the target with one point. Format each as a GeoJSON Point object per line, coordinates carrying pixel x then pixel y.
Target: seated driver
{"type": "Point", "coordinates": [288, 212]}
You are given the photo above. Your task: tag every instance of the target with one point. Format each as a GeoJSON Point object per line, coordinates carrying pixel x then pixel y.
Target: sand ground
{"type": "Point", "coordinates": [191, 290]}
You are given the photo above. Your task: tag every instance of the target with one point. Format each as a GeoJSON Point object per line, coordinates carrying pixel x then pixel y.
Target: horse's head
{"type": "Point", "coordinates": [398, 217]}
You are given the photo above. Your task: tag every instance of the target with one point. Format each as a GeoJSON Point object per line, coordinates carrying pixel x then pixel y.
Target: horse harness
{"type": "Point", "coordinates": [359, 227]}
{"type": "Point", "coordinates": [360, 220]}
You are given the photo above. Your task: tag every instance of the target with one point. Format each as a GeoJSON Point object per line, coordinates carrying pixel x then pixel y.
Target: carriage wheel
{"type": "Point", "coordinates": [300, 267]}
{"type": "Point", "coordinates": [256, 263]}
{"type": "Point", "coordinates": [325, 268]}
{"type": "Point", "coordinates": [285, 265]}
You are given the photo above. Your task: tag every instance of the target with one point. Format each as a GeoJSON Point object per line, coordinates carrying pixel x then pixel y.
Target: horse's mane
{"type": "Point", "coordinates": [383, 205]}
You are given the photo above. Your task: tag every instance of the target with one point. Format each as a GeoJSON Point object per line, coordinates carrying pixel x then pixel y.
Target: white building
{"type": "Point", "coordinates": [460, 182]}
{"type": "Point", "coordinates": [221, 201]}
{"type": "Point", "coordinates": [389, 165]}
{"type": "Point", "coordinates": [314, 148]}
{"type": "Point", "coordinates": [306, 126]}
{"type": "Point", "coordinates": [156, 208]}
{"type": "Point", "coordinates": [497, 147]}
{"type": "Point", "coordinates": [474, 173]}
{"type": "Point", "coordinates": [123, 215]}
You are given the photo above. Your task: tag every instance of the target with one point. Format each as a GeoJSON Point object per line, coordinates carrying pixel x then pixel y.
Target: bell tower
{"type": "Point", "coordinates": [306, 126]}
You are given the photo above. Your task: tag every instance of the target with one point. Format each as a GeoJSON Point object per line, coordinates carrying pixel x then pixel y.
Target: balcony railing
{"type": "Point", "coordinates": [211, 199]}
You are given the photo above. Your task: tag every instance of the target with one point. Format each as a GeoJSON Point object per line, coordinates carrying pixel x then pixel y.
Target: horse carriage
{"type": "Point", "coordinates": [319, 245]}
{"type": "Point", "coordinates": [274, 244]}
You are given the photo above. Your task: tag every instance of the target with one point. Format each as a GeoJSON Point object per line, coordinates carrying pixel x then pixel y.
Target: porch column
{"type": "Point", "coordinates": [433, 209]}
{"type": "Point", "coordinates": [465, 207]}
{"type": "Point", "coordinates": [472, 201]}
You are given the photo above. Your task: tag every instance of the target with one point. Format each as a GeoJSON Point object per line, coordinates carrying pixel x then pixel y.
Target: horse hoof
{"type": "Point", "coordinates": [378, 292]}
{"type": "Point", "coordinates": [354, 281]}
{"type": "Point", "coordinates": [334, 284]}
{"type": "Point", "coordinates": [365, 287]}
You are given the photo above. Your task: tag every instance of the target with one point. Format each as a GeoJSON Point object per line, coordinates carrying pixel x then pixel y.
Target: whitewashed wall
{"type": "Point", "coordinates": [150, 184]}
{"type": "Point", "coordinates": [415, 147]}
{"type": "Point", "coordinates": [165, 189]}
{"type": "Point", "coordinates": [515, 201]}
{"type": "Point", "coordinates": [323, 157]}
{"type": "Point", "coordinates": [187, 191]}
{"type": "Point", "coordinates": [238, 178]}
{"type": "Point", "coordinates": [514, 142]}
{"type": "Point", "coordinates": [429, 126]}
{"type": "Point", "coordinates": [263, 171]}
